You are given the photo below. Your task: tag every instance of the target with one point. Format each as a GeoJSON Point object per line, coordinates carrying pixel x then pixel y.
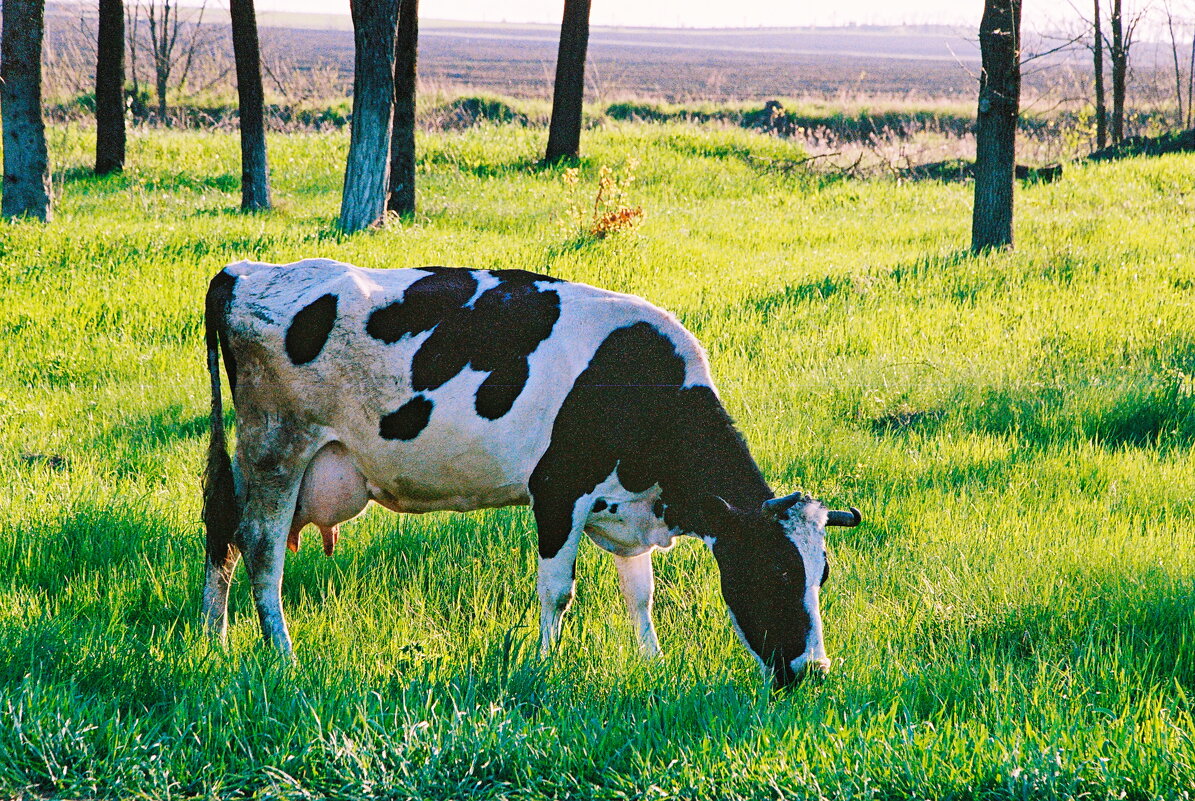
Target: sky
{"type": "Point", "coordinates": [703, 13]}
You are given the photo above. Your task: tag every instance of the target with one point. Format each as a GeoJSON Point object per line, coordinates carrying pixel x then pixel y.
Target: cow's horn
{"type": "Point", "coordinates": [848, 519]}
{"type": "Point", "coordinates": [778, 506]}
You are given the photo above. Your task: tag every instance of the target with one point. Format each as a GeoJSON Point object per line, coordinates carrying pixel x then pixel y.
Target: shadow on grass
{"type": "Point", "coordinates": [181, 181]}
{"type": "Point", "coordinates": [1148, 414]}
{"type": "Point", "coordinates": [1113, 637]}
{"type": "Point", "coordinates": [93, 542]}
{"type": "Point", "coordinates": [487, 169]}
{"type": "Point", "coordinates": [1131, 625]}
{"type": "Point", "coordinates": [1156, 415]}
{"type": "Point", "coordinates": [86, 179]}
{"type": "Point", "coordinates": [132, 445]}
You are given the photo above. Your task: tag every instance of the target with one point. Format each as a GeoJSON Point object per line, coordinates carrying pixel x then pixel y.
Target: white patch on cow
{"type": "Point", "coordinates": [485, 282]}
{"type": "Point", "coordinates": [625, 524]}
{"type": "Point", "coordinates": [805, 526]}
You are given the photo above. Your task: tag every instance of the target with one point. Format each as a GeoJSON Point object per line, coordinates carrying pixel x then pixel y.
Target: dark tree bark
{"type": "Point", "coordinates": [109, 89]}
{"type": "Point", "coordinates": [1118, 54]}
{"type": "Point", "coordinates": [402, 140]}
{"type": "Point", "coordinates": [1097, 57]}
{"type": "Point", "coordinates": [996, 124]}
{"type": "Point", "coordinates": [367, 174]}
{"type": "Point", "coordinates": [26, 189]}
{"type": "Point", "coordinates": [255, 169]}
{"type": "Point", "coordinates": [564, 132]}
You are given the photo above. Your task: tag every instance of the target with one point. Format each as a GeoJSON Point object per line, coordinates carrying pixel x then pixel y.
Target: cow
{"type": "Point", "coordinates": [439, 388]}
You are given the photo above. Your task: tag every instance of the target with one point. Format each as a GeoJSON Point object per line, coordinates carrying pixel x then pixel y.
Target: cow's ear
{"type": "Point", "coordinates": [718, 514]}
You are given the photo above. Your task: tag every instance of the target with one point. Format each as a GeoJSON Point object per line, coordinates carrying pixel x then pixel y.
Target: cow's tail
{"type": "Point", "coordinates": [221, 513]}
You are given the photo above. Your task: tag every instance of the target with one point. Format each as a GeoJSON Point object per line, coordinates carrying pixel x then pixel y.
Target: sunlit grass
{"type": "Point", "coordinates": [1013, 619]}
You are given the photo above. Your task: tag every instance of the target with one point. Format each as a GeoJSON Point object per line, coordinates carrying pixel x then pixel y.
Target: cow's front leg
{"type": "Point", "coordinates": [638, 584]}
{"type": "Point", "coordinates": [557, 574]}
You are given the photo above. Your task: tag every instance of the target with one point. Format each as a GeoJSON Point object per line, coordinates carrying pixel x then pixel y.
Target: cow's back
{"type": "Point", "coordinates": [442, 384]}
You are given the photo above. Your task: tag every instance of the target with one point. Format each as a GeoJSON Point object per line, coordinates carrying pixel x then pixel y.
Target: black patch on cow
{"type": "Point", "coordinates": [425, 303]}
{"type": "Point", "coordinates": [664, 433]}
{"type": "Point", "coordinates": [309, 330]}
{"type": "Point", "coordinates": [599, 505]}
{"type": "Point", "coordinates": [408, 421]}
{"type": "Point", "coordinates": [657, 509]}
{"type": "Point", "coordinates": [763, 582]}
{"type": "Point", "coordinates": [613, 508]}
{"type": "Point", "coordinates": [495, 335]}
{"type": "Point", "coordinates": [523, 276]}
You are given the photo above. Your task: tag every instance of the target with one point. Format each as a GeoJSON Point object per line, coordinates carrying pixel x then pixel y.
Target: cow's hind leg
{"type": "Point", "coordinates": [271, 493]}
{"type": "Point", "coordinates": [219, 566]}
{"type": "Point", "coordinates": [637, 581]}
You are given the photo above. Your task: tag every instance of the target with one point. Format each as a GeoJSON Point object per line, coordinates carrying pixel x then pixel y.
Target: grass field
{"type": "Point", "coordinates": [1012, 620]}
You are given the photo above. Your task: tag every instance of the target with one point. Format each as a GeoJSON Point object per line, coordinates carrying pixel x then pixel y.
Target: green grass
{"type": "Point", "coordinates": [1013, 620]}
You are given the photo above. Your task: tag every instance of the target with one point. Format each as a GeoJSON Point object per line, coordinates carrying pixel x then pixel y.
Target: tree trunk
{"type": "Point", "coordinates": [1119, 55]}
{"type": "Point", "coordinates": [161, 75]}
{"type": "Point", "coordinates": [1101, 105]}
{"type": "Point", "coordinates": [996, 124]}
{"type": "Point", "coordinates": [255, 170]}
{"type": "Point", "coordinates": [402, 140]}
{"type": "Point", "coordinates": [564, 132]}
{"type": "Point", "coordinates": [1191, 86]}
{"type": "Point", "coordinates": [109, 89]}
{"type": "Point", "coordinates": [26, 189]}
{"type": "Point", "coordinates": [1178, 70]}
{"type": "Point", "coordinates": [367, 174]}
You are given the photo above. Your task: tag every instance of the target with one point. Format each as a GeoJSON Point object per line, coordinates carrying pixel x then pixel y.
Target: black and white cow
{"type": "Point", "coordinates": [438, 388]}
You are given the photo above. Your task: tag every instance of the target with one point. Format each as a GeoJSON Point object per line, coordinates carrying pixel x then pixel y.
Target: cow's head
{"type": "Point", "coordinates": [772, 561]}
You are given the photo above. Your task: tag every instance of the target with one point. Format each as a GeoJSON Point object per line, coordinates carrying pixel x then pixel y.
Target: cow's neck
{"type": "Point", "coordinates": [707, 456]}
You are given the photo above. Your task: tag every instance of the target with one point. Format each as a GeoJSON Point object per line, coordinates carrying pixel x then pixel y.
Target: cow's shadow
{"type": "Point", "coordinates": [135, 446]}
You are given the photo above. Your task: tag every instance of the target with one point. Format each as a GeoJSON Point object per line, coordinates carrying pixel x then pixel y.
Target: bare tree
{"type": "Point", "coordinates": [367, 173]}
{"type": "Point", "coordinates": [255, 170]}
{"type": "Point", "coordinates": [109, 89]}
{"type": "Point", "coordinates": [1178, 72]}
{"type": "Point", "coordinates": [564, 131]}
{"type": "Point", "coordinates": [1097, 56]}
{"type": "Point", "coordinates": [171, 52]}
{"type": "Point", "coordinates": [1191, 85]}
{"type": "Point", "coordinates": [69, 57]}
{"type": "Point", "coordinates": [1118, 54]}
{"type": "Point", "coordinates": [132, 20]}
{"type": "Point", "coordinates": [26, 189]}
{"type": "Point", "coordinates": [402, 139]}
{"type": "Point", "coordinates": [996, 124]}
{"type": "Point", "coordinates": [1124, 29]}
